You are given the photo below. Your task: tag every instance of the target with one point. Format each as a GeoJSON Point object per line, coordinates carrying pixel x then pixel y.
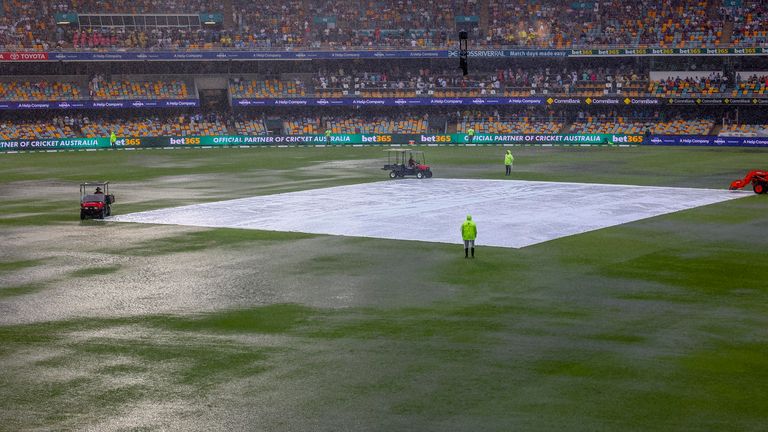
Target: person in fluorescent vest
{"type": "Point", "coordinates": [508, 160]}
{"type": "Point", "coordinates": [112, 139]}
{"type": "Point", "coordinates": [470, 134]}
{"type": "Point", "coordinates": [328, 136]}
{"type": "Point", "coordinates": [469, 234]}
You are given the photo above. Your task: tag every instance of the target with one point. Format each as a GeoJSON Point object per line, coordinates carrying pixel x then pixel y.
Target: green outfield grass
{"type": "Point", "coordinates": [655, 325]}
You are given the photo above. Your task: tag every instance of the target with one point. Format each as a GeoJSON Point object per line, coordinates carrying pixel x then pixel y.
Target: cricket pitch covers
{"type": "Point", "coordinates": [508, 213]}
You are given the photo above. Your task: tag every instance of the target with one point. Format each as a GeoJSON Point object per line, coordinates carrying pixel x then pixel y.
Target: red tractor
{"type": "Point", "coordinates": [95, 200]}
{"type": "Point", "coordinates": [758, 178]}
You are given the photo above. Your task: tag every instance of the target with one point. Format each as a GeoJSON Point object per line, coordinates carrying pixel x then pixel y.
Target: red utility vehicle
{"type": "Point", "coordinates": [399, 166]}
{"type": "Point", "coordinates": [95, 200]}
{"type": "Point", "coordinates": [758, 178]}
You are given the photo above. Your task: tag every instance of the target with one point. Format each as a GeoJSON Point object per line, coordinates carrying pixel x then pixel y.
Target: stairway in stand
{"type": "Point", "coordinates": [726, 33]}
{"type": "Point", "coordinates": [484, 16]}
{"type": "Point", "coordinates": [229, 22]}
{"type": "Point", "coordinates": [725, 37]}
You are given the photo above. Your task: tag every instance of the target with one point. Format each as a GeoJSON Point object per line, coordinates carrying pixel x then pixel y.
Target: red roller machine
{"type": "Point", "coordinates": [758, 178]}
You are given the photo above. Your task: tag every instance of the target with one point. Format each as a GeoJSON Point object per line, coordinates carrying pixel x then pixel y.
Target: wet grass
{"type": "Point", "coordinates": [20, 290]}
{"type": "Point", "coordinates": [95, 271]}
{"type": "Point", "coordinates": [188, 365]}
{"type": "Point", "coordinates": [10, 266]}
{"type": "Point", "coordinates": [654, 325]}
{"type": "Point", "coordinates": [38, 212]}
{"type": "Point", "coordinates": [280, 318]}
{"type": "Point", "coordinates": [210, 238]}
{"type": "Point", "coordinates": [690, 167]}
{"type": "Point", "coordinates": [711, 272]}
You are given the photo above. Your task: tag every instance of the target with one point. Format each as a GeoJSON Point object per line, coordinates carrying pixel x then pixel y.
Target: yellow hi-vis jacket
{"type": "Point", "coordinates": [468, 229]}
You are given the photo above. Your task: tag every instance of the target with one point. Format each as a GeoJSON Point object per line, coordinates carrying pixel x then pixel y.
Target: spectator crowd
{"type": "Point", "coordinates": [499, 120]}
{"type": "Point", "coordinates": [377, 24]}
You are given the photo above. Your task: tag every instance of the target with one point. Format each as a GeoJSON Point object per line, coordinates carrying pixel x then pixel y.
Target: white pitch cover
{"type": "Point", "coordinates": [508, 213]}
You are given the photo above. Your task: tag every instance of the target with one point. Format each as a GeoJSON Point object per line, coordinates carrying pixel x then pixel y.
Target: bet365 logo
{"type": "Point", "coordinates": [626, 139]}
{"type": "Point", "coordinates": [377, 138]}
{"type": "Point", "coordinates": [185, 141]}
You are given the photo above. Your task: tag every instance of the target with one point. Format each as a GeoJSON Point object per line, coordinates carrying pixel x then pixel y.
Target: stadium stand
{"type": "Point", "coordinates": [125, 89]}
{"type": "Point", "coordinates": [616, 124]}
{"type": "Point", "coordinates": [174, 125]}
{"type": "Point", "coordinates": [269, 88]}
{"type": "Point", "coordinates": [27, 24]}
{"type": "Point", "coordinates": [378, 125]}
{"type": "Point", "coordinates": [136, 6]}
{"type": "Point", "coordinates": [347, 124]}
{"type": "Point", "coordinates": [38, 129]}
{"type": "Point", "coordinates": [302, 126]}
{"type": "Point", "coordinates": [552, 24]}
{"type": "Point", "coordinates": [245, 126]}
{"type": "Point", "coordinates": [754, 85]}
{"type": "Point", "coordinates": [749, 130]}
{"type": "Point", "coordinates": [750, 23]}
{"type": "Point", "coordinates": [510, 82]}
{"type": "Point", "coordinates": [515, 124]}
{"type": "Point", "coordinates": [42, 90]}
{"type": "Point", "coordinates": [388, 23]}
{"type": "Point", "coordinates": [689, 87]}
{"type": "Point", "coordinates": [271, 24]}
{"type": "Point", "coordinates": [681, 121]}
{"type": "Point", "coordinates": [375, 24]}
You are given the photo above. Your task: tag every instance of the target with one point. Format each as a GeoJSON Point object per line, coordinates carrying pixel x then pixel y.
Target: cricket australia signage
{"type": "Point", "coordinates": [383, 139]}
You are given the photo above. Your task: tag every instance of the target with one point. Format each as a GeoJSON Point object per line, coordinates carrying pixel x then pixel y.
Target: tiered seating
{"type": "Point", "coordinates": [619, 126]}
{"type": "Point", "coordinates": [390, 14]}
{"type": "Point", "coordinates": [510, 23]}
{"type": "Point", "coordinates": [250, 127]}
{"type": "Point", "coordinates": [677, 24]}
{"type": "Point", "coordinates": [28, 25]}
{"type": "Point", "coordinates": [398, 24]}
{"type": "Point", "coordinates": [386, 93]}
{"type": "Point", "coordinates": [745, 130]}
{"type": "Point", "coordinates": [629, 126]}
{"type": "Point", "coordinates": [137, 6]}
{"type": "Point", "coordinates": [555, 24]}
{"type": "Point", "coordinates": [378, 126]}
{"type": "Point", "coordinates": [754, 86]}
{"type": "Point", "coordinates": [751, 27]}
{"type": "Point", "coordinates": [271, 24]}
{"type": "Point", "coordinates": [124, 89]}
{"type": "Point", "coordinates": [303, 126]}
{"type": "Point", "coordinates": [522, 125]}
{"type": "Point", "coordinates": [146, 127]}
{"type": "Point", "coordinates": [686, 88]}
{"type": "Point", "coordinates": [38, 91]}
{"type": "Point", "coordinates": [267, 89]}
{"type": "Point", "coordinates": [389, 22]}
{"type": "Point", "coordinates": [33, 130]}
{"type": "Point", "coordinates": [683, 127]}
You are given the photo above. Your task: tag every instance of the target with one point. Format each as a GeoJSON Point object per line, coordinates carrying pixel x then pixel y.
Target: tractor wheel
{"type": "Point", "coordinates": [759, 188]}
{"type": "Point", "coordinates": [429, 174]}
{"type": "Point", "coordinates": [392, 174]}
{"type": "Point", "coordinates": [420, 175]}
{"type": "Point", "coordinates": [82, 215]}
